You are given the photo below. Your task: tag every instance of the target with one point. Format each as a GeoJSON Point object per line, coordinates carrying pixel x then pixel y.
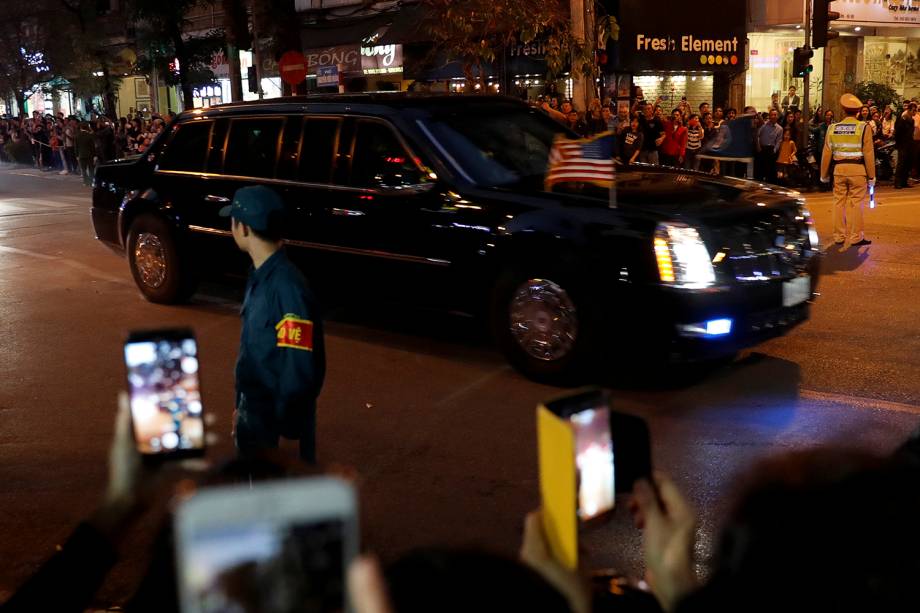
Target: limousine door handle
{"type": "Point", "coordinates": [220, 199]}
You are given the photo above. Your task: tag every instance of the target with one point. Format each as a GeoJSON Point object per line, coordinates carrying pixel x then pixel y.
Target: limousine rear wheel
{"type": "Point", "coordinates": [155, 264]}
{"type": "Point", "coordinates": [544, 326]}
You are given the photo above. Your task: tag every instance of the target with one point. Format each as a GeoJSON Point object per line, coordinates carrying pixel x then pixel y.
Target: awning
{"type": "Point", "coordinates": [344, 31]}
{"type": "Point", "coordinates": [408, 27]}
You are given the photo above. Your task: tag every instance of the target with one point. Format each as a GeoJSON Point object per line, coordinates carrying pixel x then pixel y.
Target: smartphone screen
{"type": "Point", "coordinates": [594, 462]}
{"type": "Point", "coordinates": [265, 566]}
{"type": "Point", "coordinates": [280, 546]}
{"type": "Point", "coordinates": [165, 396]}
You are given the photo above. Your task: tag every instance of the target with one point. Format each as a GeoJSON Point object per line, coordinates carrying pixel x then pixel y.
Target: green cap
{"type": "Point", "coordinates": [253, 206]}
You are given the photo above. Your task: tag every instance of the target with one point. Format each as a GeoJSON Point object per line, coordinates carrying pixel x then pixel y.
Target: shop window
{"type": "Point", "coordinates": [187, 148]}
{"type": "Point", "coordinates": [252, 147]}
{"type": "Point", "coordinates": [380, 160]}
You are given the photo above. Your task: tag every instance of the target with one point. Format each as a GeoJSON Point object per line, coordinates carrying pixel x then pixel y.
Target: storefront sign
{"type": "Point", "coordinates": [346, 57]}
{"type": "Point", "coordinates": [879, 12]}
{"type": "Point", "coordinates": [655, 39]}
{"type": "Point", "coordinates": [535, 49]}
{"type": "Point", "coordinates": [382, 59]}
{"type": "Point", "coordinates": [220, 66]}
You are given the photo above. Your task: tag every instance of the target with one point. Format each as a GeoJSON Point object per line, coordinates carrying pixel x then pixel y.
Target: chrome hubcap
{"type": "Point", "coordinates": [543, 320]}
{"type": "Point", "coordinates": [150, 259]}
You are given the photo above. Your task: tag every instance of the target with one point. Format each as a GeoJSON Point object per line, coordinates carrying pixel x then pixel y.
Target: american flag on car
{"type": "Point", "coordinates": [586, 160]}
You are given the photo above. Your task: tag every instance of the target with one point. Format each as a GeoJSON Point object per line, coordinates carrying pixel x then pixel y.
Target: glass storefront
{"type": "Point", "coordinates": [894, 61]}
{"type": "Point", "coordinates": [770, 68]}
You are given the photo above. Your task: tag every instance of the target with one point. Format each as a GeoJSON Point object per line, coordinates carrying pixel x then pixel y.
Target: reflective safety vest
{"type": "Point", "coordinates": [846, 139]}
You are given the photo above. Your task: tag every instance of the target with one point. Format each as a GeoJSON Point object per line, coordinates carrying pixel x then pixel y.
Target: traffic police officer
{"type": "Point", "coordinates": [282, 362]}
{"type": "Point", "coordinates": [850, 144]}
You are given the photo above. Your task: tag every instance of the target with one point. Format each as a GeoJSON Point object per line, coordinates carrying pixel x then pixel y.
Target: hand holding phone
{"type": "Point", "coordinates": [165, 394]}
{"type": "Point", "coordinates": [669, 525]}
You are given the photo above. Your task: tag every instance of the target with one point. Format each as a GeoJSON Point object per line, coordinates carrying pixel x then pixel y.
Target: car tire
{"type": "Point", "coordinates": [546, 327]}
{"type": "Point", "coordinates": [157, 269]}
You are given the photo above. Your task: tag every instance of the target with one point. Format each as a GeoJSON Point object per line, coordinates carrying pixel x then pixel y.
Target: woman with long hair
{"type": "Point", "coordinates": [888, 120]}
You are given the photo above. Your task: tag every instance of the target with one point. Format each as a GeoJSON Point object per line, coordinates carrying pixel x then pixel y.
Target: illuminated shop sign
{"type": "Point", "coordinates": [533, 49]}
{"type": "Point", "coordinates": [655, 39]}
{"type": "Point", "coordinates": [382, 59]}
{"type": "Point", "coordinates": [887, 12]}
{"type": "Point", "coordinates": [346, 57]}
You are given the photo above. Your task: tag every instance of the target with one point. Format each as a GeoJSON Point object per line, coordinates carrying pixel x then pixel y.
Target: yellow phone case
{"type": "Point", "coordinates": [556, 445]}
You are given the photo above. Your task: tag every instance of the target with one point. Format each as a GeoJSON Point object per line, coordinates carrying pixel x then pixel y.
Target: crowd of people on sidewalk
{"type": "Point", "coordinates": [75, 145]}
{"type": "Point", "coordinates": [646, 132]}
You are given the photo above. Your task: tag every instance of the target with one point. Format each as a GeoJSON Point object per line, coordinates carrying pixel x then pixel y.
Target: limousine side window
{"type": "Point", "coordinates": [252, 147]}
{"type": "Point", "coordinates": [317, 149]}
{"type": "Point", "coordinates": [380, 160]}
{"type": "Point", "coordinates": [215, 159]}
{"type": "Point", "coordinates": [187, 148]}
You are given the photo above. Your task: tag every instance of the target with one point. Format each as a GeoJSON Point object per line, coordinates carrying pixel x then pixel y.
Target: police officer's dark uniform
{"type": "Point", "coordinates": [282, 362]}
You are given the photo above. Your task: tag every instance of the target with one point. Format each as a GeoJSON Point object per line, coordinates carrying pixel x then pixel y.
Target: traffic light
{"type": "Point", "coordinates": [821, 23]}
{"type": "Point", "coordinates": [253, 79]}
{"type": "Point", "coordinates": [801, 61]}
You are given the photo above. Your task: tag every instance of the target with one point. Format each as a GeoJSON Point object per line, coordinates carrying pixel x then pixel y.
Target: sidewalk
{"type": "Point", "coordinates": [32, 171]}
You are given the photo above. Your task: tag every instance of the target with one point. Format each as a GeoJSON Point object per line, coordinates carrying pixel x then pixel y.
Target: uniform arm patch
{"type": "Point", "coordinates": [295, 332]}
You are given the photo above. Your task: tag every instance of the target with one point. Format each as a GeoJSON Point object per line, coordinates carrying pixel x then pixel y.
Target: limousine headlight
{"type": "Point", "coordinates": [683, 260]}
{"type": "Point", "coordinates": [813, 240]}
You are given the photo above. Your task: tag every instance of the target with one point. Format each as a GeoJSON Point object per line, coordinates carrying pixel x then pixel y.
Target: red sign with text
{"type": "Point", "coordinates": [293, 67]}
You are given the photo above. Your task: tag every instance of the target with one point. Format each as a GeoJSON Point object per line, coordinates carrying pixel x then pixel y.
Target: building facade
{"type": "Point", "coordinates": [879, 41]}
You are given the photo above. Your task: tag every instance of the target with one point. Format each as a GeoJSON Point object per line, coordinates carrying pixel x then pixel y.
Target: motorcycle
{"type": "Point", "coordinates": [805, 173]}
{"type": "Point", "coordinates": [884, 166]}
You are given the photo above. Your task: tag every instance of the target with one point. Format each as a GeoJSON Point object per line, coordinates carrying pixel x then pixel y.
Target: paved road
{"type": "Point", "coordinates": [441, 430]}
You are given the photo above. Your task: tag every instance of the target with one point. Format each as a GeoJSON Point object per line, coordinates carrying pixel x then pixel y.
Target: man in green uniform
{"type": "Point", "coordinates": [282, 361]}
{"type": "Point", "coordinates": [849, 145]}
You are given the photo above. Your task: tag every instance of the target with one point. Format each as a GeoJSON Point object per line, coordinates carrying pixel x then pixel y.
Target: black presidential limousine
{"type": "Point", "coordinates": [442, 198]}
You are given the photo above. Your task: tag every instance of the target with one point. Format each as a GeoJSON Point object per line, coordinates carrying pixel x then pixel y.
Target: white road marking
{"type": "Point", "coordinates": [860, 402]}
{"type": "Point", "coordinates": [80, 266]}
{"type": "Point", "coordinates": [19, 203]}
{"type": "Point", "coordinates": [472, 385]}
{"type": "Point", "coordinates": [51, 175]}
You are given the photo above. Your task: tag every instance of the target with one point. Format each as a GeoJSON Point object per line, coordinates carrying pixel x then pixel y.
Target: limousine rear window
{"type": "Point", "coordinates": [506, 146]}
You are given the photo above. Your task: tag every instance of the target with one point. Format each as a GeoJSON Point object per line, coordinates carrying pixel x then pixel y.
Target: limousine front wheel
{"type": "Point", "coordinates": [155, 264]}
{"type": "Point", "coordinates": [544, 327]}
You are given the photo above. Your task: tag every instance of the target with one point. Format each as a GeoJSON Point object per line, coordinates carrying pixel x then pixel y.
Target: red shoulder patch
{"type": "Point", "coordinates": [295, 333]}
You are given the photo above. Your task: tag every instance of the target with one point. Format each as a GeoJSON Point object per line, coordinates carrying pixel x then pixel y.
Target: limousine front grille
{"type": "Point", "coordinates": [773, 247]}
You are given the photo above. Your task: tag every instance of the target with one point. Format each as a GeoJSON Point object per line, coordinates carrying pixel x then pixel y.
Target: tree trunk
{"type": "Point", "coordinates": [21, 102]}
{"type": "Point", "coordinates": [108, 95]}
{"type": "Point", "coordinates": [234, 29]}
{"type": "Point", "coordinates": [187, 98]}
{"type": "Point", "coordinates": [236, 79]}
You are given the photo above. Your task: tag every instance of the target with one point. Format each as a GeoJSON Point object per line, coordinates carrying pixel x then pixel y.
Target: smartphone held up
{"type": "Point", "coordinates": [279, 546]}
{"type": "Point", "coordinates": [588, 453]}
{"type": "Point", "coordinates": [165, 394]}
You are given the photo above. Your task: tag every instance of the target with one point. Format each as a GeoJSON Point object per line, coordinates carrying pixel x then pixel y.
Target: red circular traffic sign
{"type": "Point", "coordinates": [293, 67]}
